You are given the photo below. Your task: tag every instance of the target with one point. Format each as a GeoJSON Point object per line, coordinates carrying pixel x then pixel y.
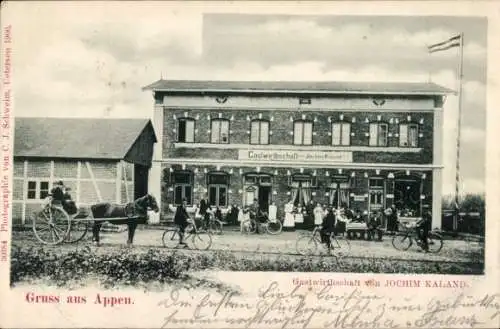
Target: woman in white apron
{"type": "Point", "coordinates": [319, 213]}
{"type": "Point", "coordinates": [289, 223]}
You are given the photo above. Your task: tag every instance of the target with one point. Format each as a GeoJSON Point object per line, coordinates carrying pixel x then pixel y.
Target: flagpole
{"type": "Point", "coordinates": [457, 177]}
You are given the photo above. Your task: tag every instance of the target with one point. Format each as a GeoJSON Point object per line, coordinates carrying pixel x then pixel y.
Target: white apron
{"type": "Point", "coordinates": [289, 220]}
{"type": "Point", "coordinates": [318, 216]}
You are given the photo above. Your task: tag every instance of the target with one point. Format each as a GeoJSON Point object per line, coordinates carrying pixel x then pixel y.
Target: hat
{"type": "Point", "coordinates": [59, 183]}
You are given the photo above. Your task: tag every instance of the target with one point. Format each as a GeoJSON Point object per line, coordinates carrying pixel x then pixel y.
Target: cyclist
{"type": "Point", "coordinates": [328, 228]}
{"type": "Point", "coordinates": [205, 212]}
{"type": "Point", "coordinates": [181, 220]}
{"type": "Point", "coordinates": [423, 228]}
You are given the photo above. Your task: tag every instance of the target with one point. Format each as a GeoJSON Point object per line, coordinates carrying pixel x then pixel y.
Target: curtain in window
{"type": "Point", "coordinates": [297, 132]}
{"type": "Point", "coordinates": [346, 134]}
{"type": "Point", "coordinates": [254, 132]}
{"type": "Point", "coordinates": [373, 134]}
{"type": "Point", "coordinates": [306, 192]}
{"type": "Point", "coordinates": [336, 134]}
{"type": "Point", "coordinates": [189, 131]}
{"type": "Point", "coordinates": [307, 133]}
{"type": "Point", "coordinates": [264, 132]}
{"type": "Point", "coordinates": [403, 135]}
{"type": "Point", "coordinates": [413, 136]}
{"type": "Point", "coordinates": [382, 135]}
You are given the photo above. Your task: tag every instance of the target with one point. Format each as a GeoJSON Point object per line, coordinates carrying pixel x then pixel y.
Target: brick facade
{"type": "Point", "coordinates": [410, 177]}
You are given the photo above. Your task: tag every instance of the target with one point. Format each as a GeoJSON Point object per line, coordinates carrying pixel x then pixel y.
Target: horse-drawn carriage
{"type": "Point", "coordinates": [53, 225]}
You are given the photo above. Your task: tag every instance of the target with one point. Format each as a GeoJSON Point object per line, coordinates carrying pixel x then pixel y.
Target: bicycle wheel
{"type": "Point", "coordinates": [51, 225]}
{"type": "Point", "coordinates": [248, 226]}
{"type": "Point", "coordinates": [435, 242]}
{"type": "Point", "coordinates": [170, 238]}
{"type": "Point", "coordinates": [77, 231]}
{"type": "Point", "coordinates": [202, 241]}
{"type": "Point", "coordinates": [274, 227]}
{"type": "Point", "coordinates": [341, 246]}
{"type": "Point", "coordinates": [306, 245]}
{"type": "Point", "coordinates": [401, 242]}
{"type": "Point", "coordinates": [215, 227]}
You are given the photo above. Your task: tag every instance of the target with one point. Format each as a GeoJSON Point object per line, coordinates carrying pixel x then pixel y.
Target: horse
{"type": "Point", "coordinates": [131, 214]}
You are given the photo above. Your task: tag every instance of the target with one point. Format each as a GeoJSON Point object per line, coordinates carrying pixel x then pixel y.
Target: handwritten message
{"type": "Point", "coordinates": [325, 307]}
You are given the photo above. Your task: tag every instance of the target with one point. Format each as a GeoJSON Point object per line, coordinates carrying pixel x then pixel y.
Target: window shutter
{"type": "Point", "coordinates": [382, 131]}
{"type": "Point", "coordinates": [373, 134]}
{"type": "Point", "coordinates": [346, 134]}
{"type": "Point", "coordinates": [403, 135]}
{"type": "Point", "coordinates": [336, 134]}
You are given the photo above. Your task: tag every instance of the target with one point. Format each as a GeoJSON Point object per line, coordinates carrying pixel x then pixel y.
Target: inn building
{"type": "Point", "coordinates": [366, 145]}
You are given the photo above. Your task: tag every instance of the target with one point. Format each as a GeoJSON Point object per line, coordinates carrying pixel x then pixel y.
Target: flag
{"type": "Point", "coordinates": [450, 43]}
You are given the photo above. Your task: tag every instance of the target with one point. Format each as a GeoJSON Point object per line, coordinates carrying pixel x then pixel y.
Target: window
{"type": "Point", "coordinates": [37, 190]}
{"type": "Point", "coordinates": [186, 130]}
{"type": "Point", "coordinates": [378, 134]}
{"type": "Point", "coordinates": [183, 187]}
{"type": "Point", "coordinates": [32, 190]}
{"type": "Point", "coordinates": [218, 184]}
{"type": "Point", "coordinates": [339, 191]}
{"type": "Point", "coordinates": [302, 132]}
{"type": "Point", "coordinates": [259, 132]}
{"type": "Point", "coordinates": [220, 131]}
{"type": "Point", "coordinates": [377, 190]}
{"type": "Point", "coordinates": [301, 189]}
{"type": "Point", "coordinates": [341, 133]}
{"type": "Point", "coordinates": [408, 135]}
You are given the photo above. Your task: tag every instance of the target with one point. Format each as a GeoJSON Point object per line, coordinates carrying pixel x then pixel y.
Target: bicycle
{"type": "Point", "coordinates": [405, 240]}
{"type": "Point", "coordinates": [214, 225]}
{"type": "Point", "coordinates": [271, 227]}
{"type": "Point", "coordinates": [307, 245]}
{"type": "Point", "coordinates": [200, 241]}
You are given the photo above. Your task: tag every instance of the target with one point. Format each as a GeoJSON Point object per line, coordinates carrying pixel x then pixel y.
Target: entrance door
{"type": "Point", "coordinates": [407, 197]}
{"type": "Point", "coordinates": [264, 193]}
{"type": "Point", "coordinates": [140, 181]}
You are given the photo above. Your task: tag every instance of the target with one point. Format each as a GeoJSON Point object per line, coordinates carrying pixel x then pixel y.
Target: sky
{"type": "Point", "coordinates": [95, 63]}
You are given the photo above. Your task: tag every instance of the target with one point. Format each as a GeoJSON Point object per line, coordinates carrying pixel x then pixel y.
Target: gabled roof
{"type": "Point", "coordinates": [299, 87]}
{"type": "Point", "coordinates": [77, 137]}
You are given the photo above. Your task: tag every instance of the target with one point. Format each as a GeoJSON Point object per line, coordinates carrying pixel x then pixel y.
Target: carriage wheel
{"type": "Point", "coordinates": [341, 246]}
{"type": "Point", "coordinates": [306, 245]}
{"type": "Point", "coordinates": [170, 238]}
{"type": "Point", "coordinates": [274, 227]}
{"type": "Point", "coordinates": [435, 243]}
{"type": "Point", "coordinates": [401, 242]}
{"type": "Point", "coordinates": [51, 225]}
{"type": "Point", "coordinates": [202, 241]}
{"type": "Point", "coordinates": [77, 231]}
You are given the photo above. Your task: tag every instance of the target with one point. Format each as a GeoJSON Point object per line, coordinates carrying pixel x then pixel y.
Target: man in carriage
{"type": "Point", "coordinates": [61, 197]}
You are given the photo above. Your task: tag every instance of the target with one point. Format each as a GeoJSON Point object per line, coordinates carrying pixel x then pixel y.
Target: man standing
{"type": "Point", "coordinates": [204, 207]}
{"type": "Point", "coordinates": [328, 228]}
{"type": "Point", "coordinates": [392, 219]}
{"type": "Point", "coordinates": [181, 220]}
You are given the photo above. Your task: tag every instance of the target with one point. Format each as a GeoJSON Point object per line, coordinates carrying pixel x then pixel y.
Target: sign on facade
{"type": "Point", "coordinates": [294, 156]}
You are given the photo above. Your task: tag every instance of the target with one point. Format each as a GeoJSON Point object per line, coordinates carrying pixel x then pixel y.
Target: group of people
{"type": "Point", "coordinates": [330, 219]}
